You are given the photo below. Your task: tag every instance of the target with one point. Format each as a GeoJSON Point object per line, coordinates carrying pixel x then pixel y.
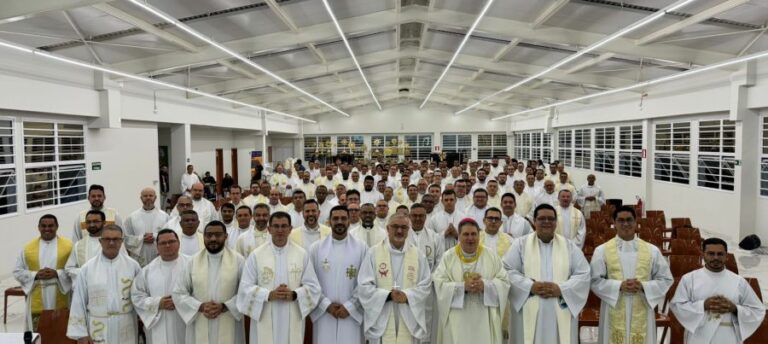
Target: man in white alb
{"type": "Point", "coordinates": [446, 221]}
{"type": "Point", "coordinates": [243, 226]}
{"type": "Point", "coordinates": [96, 198]}
{"type": "Point", "coordinates": [188, 179]}
{"type": "Point", "coordinates": [191, 239]}
{"type": "Point", "coordinates": [368, 232]}
{"type": "Point", "coordinates": [590, 197]}
{"type": "Point", "coordinates": [311, 230]}
{"type": "Point", "coordinates": [258, 235]}
{"type": "Point", "coordinates": [570, 221]}
{"type": "Point", "coordinates": [512, 223]}
{"type": "Point", "coordinates": [142, 226]}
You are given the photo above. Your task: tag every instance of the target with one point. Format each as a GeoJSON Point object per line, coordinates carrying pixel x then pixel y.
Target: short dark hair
{"type": "Point", "coordinates": [299, 192]}
{"type": "Point", "coordinates": [167, 231]}
{"type": "Point", "coordinates": [713, 241]}
{"type": "Point", "coordinates": [508, 194]}
{"type": "Point", "coordinates": [96, 212]}
{"type": "Point", "coordinates": [353, 192]}
{"type": "Point", "coordinates": [48, 216]}
{"type": "Point", "coordinates": [311, 201]}
{"type": "Point", "coordinates": [402, 206]}
{"type": "Point", "coordinates": [187, 212]}
{"type": "Point", "coordinates": [246, 208]}
{"type": "Point", "coordinates": [417, 206]}
{"type": "Point", "coordinates": [541, 207]}
{"type": "Point", "coordinates": [624, 208]}
{"type": "Point", "coordinates": [229, 206]}
{"type": "Point", "coordinates": [339, 208]}
{"type": "Point", "coordinates": [235, 187]}
{"type": "Point", "coordinates": [491, 209]}
{"type": "Point", "coordinates": [468, 222]}
{"type": "Point", "coordinates": [95, 187]}
{"type": "Point", "coordinates": [261, 205]}
{"type": "Point", "coordinates": [215, 223]}
{"type": "Point", "coordinates": [448, 192]}
{"type": "Point", "coordinates": [480, 190]}
{"type": "Point", "coordinates": [279, 215]}
{"type": "Point", "coordinates": [367, 178]}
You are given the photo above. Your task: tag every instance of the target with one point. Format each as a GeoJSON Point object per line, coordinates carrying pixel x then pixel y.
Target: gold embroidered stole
{"type": "Point", "coordinates": [228, 283]}
{"type": "Point", "coordinates": [502, 245]}
{"type": "Point", "coordinates": [385, 280]}
{"type": "Point", "coordinates": [265, 257]}
{"type": "Point", "coordinates": [639, 321]}
{"type": "Point", "coordinates": [561, 272]}
{"type": "Point", "coordinates": [575, 216]}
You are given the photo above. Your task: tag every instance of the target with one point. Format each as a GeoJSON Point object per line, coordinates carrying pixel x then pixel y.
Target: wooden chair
{"type": "Point", "coordinates": [673, 323]}
{"type": "Point", "coordinates": [590, 314]}
{"type": "Point", "coordinates": [686, 233]}
{"type": "Point", "coordinates": [15, 291]}
{"type": "Point", "coordinates": [760, 335]}
{"type": "Point", "coordinates": [681, 222]}
{"type": "Point", "coordinates": [684, 247]}
{"type": "Point", "coordinates": [730, 263]}
{"type": "Point", "coordinates": [755, 286]}
{"type": "Point", "coordinates": [681, 265]}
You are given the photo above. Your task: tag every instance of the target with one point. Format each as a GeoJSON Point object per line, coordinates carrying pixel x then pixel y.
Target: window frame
{"type": "Point", "coordinates": [724, 156]}
{"type": "Point", "coordinates": [12, 168]}
{"type": "Point", "coordinates": [671, 152]}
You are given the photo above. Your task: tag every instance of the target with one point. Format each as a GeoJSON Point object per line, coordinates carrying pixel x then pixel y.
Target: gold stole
{"type": "Point", "coordinates": [109, 214]}
{"type": "Point", "coordinates": [575, 221]}
{"type": "Point", "coordinates": [81, 251]}
{"type": "Point", "coordinates": [385, 281]}
{"type": "Point", "coordinates": [98, 308]}
{"type": "Point", "coordinates": [32, 257]}
{"type": "Point", "coordinates": [295, 265]}
{"type": "Point", "coordinates": [297, 235]}
{"type": "Point", "coordinates": [502, 245]}
{"type": "Point", "coordinates": [639, 323]}
{"type": "Point", "coordinates": [227, 289]}
{"type": "Point", "coordinates": [561, 271]}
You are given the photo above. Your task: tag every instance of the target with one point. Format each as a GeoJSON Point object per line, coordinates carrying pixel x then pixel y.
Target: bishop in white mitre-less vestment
{"type": "Point", "coordinates": [337, 263]}
{"type": "Point", "coordinates": [542, 320]}
{"type": "Point", "coordinates": [267, 267]}
{"type": "Point", "coordinates": [211, 277]}
{"type": "Point", "coordinates": [386, 268]}
{"type": "Point", "coordinates": [101, 301]}
{"type": "Point", "coordinates": [629, 316]}
{"type": "Point", "coordinates": [702, 327]}
{"type": "Point", "coordinates": [157, 280]}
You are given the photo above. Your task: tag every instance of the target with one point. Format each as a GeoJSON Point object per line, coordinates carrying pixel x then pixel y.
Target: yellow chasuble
{"type": "Point", "coordinates": [32, 257]}
{"type": "Point", "coordinates": [384, 280]}
{"type": "Point", "coordinates": [574, 223]}
{"type": "Point", "coordinates": [502, 245]}
{"type": "Point", "coordinates": [560, 273]}
{"type": "Point", "coordinates": [228, 288]}
{"type": "Point", "coordinates": [639, 323]}
{"type": "Point", "coordinates": [297, 236]}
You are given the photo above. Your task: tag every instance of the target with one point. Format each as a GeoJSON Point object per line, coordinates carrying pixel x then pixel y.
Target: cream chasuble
{"type": "Point", "coordinates": [248, 242]}
{"type": "Point", "coordinates": [571, 224]}
{"type": "Point", "coordinates": [305, 237]}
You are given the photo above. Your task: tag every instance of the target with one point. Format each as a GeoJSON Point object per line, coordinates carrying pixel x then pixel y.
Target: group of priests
{"type": "Point", "coordinates": [407, 264]}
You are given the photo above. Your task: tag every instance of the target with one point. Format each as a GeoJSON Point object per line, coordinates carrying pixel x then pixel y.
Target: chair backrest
{"type": "Point", "coordinates": [755, 286]}
{"type": "Point", "coordinates": [678, 222]}
{"type": "Point", "coordinates": [759, 336]}
{"type": "Point", "coordinates": [686, 233]}
{"type": "Point", "coordinates": [730, 263]}
{"type": "Point", "coordinates": [681, 265]}
{"type": "Point", "coordinates": [592, 301]}
{"type": "Point", "coordinates": [656, 214]}
{"type": "Point", "coordinates": [684, 247]}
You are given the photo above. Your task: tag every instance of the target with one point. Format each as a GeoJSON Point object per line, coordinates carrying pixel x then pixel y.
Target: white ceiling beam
{"type": "Point", "coordinates": [505, 50]}
{"type": "Point", "coordinates": [249, 74]}
{"type": "Point", "coordinates": [589, 63]}
{"type": "Point", "coordinates": [353, 104]}
{"type": "Point", "coordinates": [79, 33]}
{"type": "Point", "coordinates": [146, 27]}
{"type": "Point", "coordinates": [695, 19]}
{"type": "Point", "coordinates": [286, 19]}
{"type": "Point", "coordinates": [548, 12]}
{"type": "Point", "coordinates": [15, 10]}
{"type": "Point", "coordinates": [385, 20]}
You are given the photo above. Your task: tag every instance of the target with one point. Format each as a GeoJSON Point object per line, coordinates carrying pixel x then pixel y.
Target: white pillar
{"type": "Point", "coordinates": [181, 146]}
{"type": "Point", "coordinates": [748, 129]}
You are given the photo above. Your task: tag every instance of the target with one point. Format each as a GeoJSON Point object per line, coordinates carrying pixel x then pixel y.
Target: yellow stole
{"type": "Point", "coordinates": [295, 265]}
{"type": "Point", "coordinates": [385, 280]}
{"type": "Point", "coordinates": [575, 220]}
{"type": "Point", "coordinates": [109, 214]}
{"type": "Point", "coordinates": [639, 323]}
{"type": "Point", "coordinates": [227, 289]}
{"type": "Point", "coordinates": [32, 257]}
{"type": "Point", "coordinates": [502, 245]}
{"type": "Point", "coordinates": [297, 235]}
{"type": "Point", "coordinates": [561, 271]}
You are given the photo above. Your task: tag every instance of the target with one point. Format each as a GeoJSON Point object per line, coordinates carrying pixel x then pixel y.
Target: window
{"type": "Point", "coordinates": [605, 143]}
{"type": "Point", "coordinates": [582, 152]}
{"type": "Point", "coordinates": [565, 143]}
{"type": "Point", "coordinates": [419, 147]}
{"type": "Point", "coordinates": [672, 159]}
{"type": "Point", "coordinates": [491, 145]}
{"type": "Point", "coordinates": [350, 145]}
{"type": "Point", "coordinates": [384, 147]}
{"type": "Point", "coordinates": [764, 159]}
{"type": "Point", "coordinates": [458, 143]}
{"type": "Point", "coordinates": [8, 183]}
{"type": "Point", "coordinates": [54, 156]}
{"type": "Point", "coordinates": [317, 147]}
{"type": "Point", "coordinates": [535, 146]}
{"type": "Point", "coordinates": [630, 150]}
{"type": "Point", "coordinates": [518, 146]}
{"type": "Point", "coordinates": [546, 148]}
{"type": "Point", "coordinates": [717, 149]}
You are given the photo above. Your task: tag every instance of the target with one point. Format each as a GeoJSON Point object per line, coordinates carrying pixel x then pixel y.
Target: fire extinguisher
{"type": "Point", "coordinates": [640, 206]}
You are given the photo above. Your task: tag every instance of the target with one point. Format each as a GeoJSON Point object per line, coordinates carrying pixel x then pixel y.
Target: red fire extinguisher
{"type": "Point", "coordinates": [639, 206]}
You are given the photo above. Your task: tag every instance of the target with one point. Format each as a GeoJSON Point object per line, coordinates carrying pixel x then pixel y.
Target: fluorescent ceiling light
{"type": "Point", "coordinates": [349, 48]}
{"type": "Point", "coordinates": [722, 64]}
{"type": "Point", "coordinates": [229, 52]}
{"type": "Point", "coordinates": [643, 22]}
{"type": "Point", "coordinates": [67, 60]}
{"type": "Point", "coordinates": [458, 51]}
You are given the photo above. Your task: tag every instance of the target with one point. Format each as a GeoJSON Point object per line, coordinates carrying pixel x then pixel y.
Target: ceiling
{"type": "Point", "coordinates": [403, 46]}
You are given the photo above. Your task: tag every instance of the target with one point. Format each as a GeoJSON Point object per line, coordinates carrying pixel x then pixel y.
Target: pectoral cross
{"type": "Point", "coordinates": [296, 270]}
{"type": "Point", "coordinates": [351, 272]}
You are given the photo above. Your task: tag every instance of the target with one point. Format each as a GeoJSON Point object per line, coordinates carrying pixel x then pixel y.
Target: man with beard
{"type": "Point", "coordinates": [307, 186]}
{"type": "Point", "coordinates": [336, 259]}
{"type": "Point", "coordinates": [258, 235]}
{"type": "Point", "coordinates": [228, 216]}
{"type": "Point", "coordinates": [204, 208]}
{"type": "Point", "coordinates": [524, 201]}
{"type": "Point", "coordinates": [321, 192]}
{"type": "Point", "coordinates": [141, 227]}
{"type": "Point", "coordinates": [89, 246]}
{"type": "Point", "coordinates": [368, 233]}
{"type": "Point", "coordinates": [369, 195]}
{"type": "Point", "coordinates": [96, 197]}
{"type": "Point", "coordinates": [279, 287]}
{"type": "Point", "coordinates": [243, 226]}
{"type": "Point", "coordinates": [205, 294]}
{"type": "Point", "coordinates": [482, 181]}
{"type": "Point", "coordinates": [310, 231]}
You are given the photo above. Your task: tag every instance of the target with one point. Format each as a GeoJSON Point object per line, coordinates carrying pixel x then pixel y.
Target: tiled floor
{"type": "Point", "coordinates": [751, 264]}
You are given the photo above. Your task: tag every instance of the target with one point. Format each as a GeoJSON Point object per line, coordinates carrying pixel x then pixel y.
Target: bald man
{"type": "Point", "coordinates": [142, 226]}
{"type": "Point", "coordinates": [206, 211]}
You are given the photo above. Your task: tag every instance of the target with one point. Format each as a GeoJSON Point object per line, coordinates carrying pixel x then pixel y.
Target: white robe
{"type": "Point", "coordinates": [515, 225]}
{"type": "Point", "coordinates": [137, 224]}
{"type": "Point", "coordinates": [440, 221]}
{"type": "Point", "coordinates": [545, 198]}
{"type": "Point", "coordinates": [156, 281]}
{"type": "Point", "coordinates": [590, 191]}
{"type": "Point", "coordinates": [90, 247]}
{"type": "Point", "coordinates": [371, 197]}
{"type": "Point", "coordinates": [478, 214]}
{"type": "Point", "coordinates": [297, 219]}
{"type": "Point", "coordinates": [101, 301]}
{"type": "Point", "coordinates": [369, 236]}
{"type": "Point", "coordinates": [48, 254]}
{"type": "Point", "coordinates": [187, 180]}
{"type": "Point", "coordinates": [432, 247]}
{"type": "Point", "coordinates": [190, 245]}
{"type": "Point", "coordinates": [654, 290]}
{"type": "Point", "coordinates": [325, 212]}
{"type": "Point", "coordinates": [249, 241]}
{"type": "Point", "coordinates": [574, 291]}
{"type": "Point", "coordinates": [457, 309]}
{"type": "Point", "coordinates": [206, 212]}
{"type": "Point", "coordinates": [524, 204]}
{"type": "Point", "coordinates": [78, 230]}
{"type": "Point", "coordinates": [337, 263]}
{"type": "Point", "coordinates": [374, 299]}
{"type": "Point", "coordinates": [703, 328]}
{"type": "Point", "coordinates": [259, 280]}
{"type": "Point", "coordinates": [235, 233]}
{"type": "Point", "coordinates": [581, 232]}
{"type": "Point", "coordinates": [188, 306]}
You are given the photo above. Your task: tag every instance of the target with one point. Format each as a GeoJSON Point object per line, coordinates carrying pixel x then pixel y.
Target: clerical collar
{"type": "Point", "coordinates": [188, 236]}
{"type": "Point", "coordinates": [395, 249]}
{"type": "Point", "coordinates": [336, 241]}
{"type": "Point", "coordinates": [260, 230]}
{"type": "Point", "coordinates": [468, 255]}
{"type": "Point", "coordinates": [148, 210]}
{"type": "Point", "coordinates": [216, 255]}
{"type": "Point", "coordinates": [317, 228]}
{"type": "Point", "coordinates": [492, 235]}
{"type": "Point", "coordinates": [417, 231]}
{"type": "Point", "coordinates": [168, 262]}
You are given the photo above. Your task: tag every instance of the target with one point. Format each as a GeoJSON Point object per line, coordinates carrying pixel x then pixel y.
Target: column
{"type": "Point", "coordinates": [181, 146]}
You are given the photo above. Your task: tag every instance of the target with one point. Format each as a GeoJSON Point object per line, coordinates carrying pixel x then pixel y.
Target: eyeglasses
{"type": "Point", "coordinates": [167, 243]}
{"type": "Point", "coordinates": [111, 240]}
{"type": "Point", "coordinates": [546, 219]}
{"type": "Point", "coordinates": [492, 219]}
{"type": "Point", "coordinates": [625, 221]}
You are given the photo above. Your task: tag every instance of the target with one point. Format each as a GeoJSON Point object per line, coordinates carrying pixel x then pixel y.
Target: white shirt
{"type": "Point", "coordinates": [187, 180]}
